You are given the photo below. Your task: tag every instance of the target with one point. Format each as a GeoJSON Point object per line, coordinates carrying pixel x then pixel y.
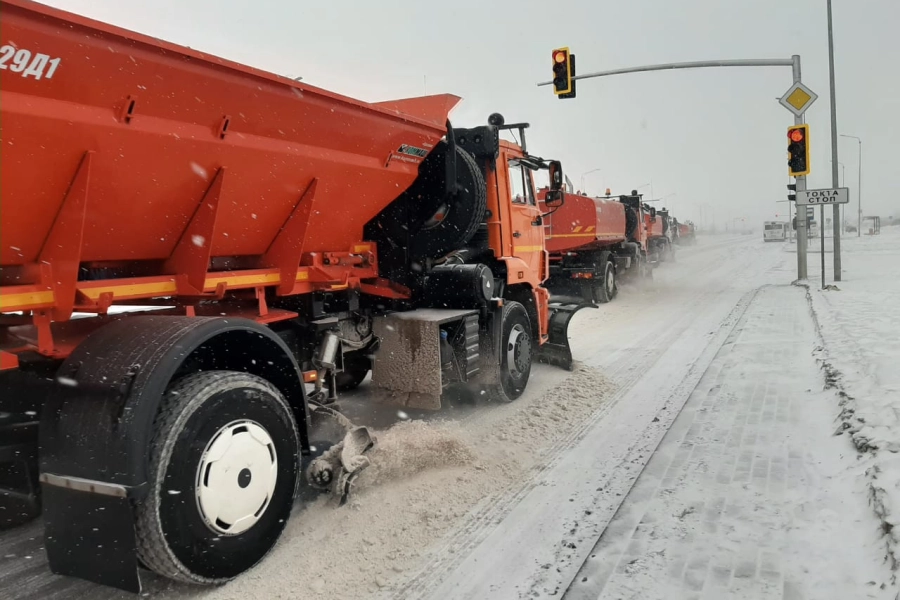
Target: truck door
{"type": "Point", "coordinates": [525, 221]}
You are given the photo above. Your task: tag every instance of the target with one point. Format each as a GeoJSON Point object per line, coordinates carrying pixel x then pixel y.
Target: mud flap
{"type": "Point", "coordinates": [407, 369]}
{"type": "Point", "coordinates": [556, 350]}
{"type": "Point", "coordinates": [91, 536]}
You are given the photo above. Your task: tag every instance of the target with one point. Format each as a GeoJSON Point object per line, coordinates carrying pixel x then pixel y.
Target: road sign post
{"type": "Point", "coordinates": [812, 198]}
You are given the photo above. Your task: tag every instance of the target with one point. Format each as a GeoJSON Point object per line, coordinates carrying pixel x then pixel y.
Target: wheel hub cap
{"type": "Point", "coordinates": [236, 477]}
{"type": "Point", "coordinates": [517, 349]}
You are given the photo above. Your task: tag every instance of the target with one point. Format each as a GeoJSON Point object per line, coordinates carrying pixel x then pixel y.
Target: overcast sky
{"type": "Point", "coordinates": [714, 137]}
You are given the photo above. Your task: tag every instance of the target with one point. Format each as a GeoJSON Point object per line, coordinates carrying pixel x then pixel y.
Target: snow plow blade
{"type": "Point", "coordinates": [339, 466]}
{"type": "Point", "coordinates": [556, 350]}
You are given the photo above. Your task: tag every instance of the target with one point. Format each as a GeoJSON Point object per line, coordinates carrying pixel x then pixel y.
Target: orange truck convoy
{"type": "Point", "coordinates": [592, 241]}
{"type": "Point", "coordinates": [198, 256]}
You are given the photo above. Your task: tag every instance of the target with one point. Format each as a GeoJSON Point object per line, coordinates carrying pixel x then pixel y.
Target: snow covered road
{"type": "Point", "coordinates": [655, 344]}
{"type": "Point", "coordinates": [750, 496]}
{"type": "Point", "coordinates": [500, 501]}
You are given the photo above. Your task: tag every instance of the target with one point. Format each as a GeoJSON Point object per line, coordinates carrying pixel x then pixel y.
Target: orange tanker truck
{"type": "Point", "coordinates": [661, 232]}
{"type": "Point", "coordinates": [686, 233]}
{"type": "Point", "coordinates": [291, 240]}
{"type": "Point", "coordinates": [594, 241]}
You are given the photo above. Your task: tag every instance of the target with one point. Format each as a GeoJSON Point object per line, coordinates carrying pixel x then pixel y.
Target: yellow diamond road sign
{"type": "Point", "coordinates": [798, 98]}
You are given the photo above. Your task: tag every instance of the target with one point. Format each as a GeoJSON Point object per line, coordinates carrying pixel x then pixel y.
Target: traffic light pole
{"type": "Point", "coordinates": [800, 211]}
{"type": "Point", "coordinates": [793, 62]}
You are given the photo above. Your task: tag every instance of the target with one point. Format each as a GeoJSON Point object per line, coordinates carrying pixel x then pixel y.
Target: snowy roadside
{"type": "Point", "coordinates": [860, 329]}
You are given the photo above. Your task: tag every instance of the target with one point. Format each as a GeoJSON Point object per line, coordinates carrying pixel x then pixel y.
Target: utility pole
{"type": "Point", "coordinates": [836, 215]}
{"type": "Point", "coordinates": [793, 62]}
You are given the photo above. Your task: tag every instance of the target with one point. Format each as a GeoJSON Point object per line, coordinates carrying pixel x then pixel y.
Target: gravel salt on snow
{"type": "Point", "coordinates": [411, 447]}
{"type": "Point", "coordinates": [424, 482]}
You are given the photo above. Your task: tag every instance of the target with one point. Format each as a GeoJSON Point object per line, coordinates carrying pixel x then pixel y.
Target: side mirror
{"type": "Point", "coordinates": [556, 194]}
{"type": "Point", "coordinates": [555, 198]}
{"type": "Point", "coordinates": [652, 212]}
{"type": "Point", "coordinates": [556, 176]}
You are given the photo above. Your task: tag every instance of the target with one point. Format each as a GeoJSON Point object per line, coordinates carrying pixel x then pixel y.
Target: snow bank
{"type": "Point", "coordinates": [859, 323]}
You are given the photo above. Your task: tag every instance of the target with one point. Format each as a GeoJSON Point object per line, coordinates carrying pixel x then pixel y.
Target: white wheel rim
{"type": "Point", "coordinates": [515, 351]}
{"type": "Point", "coordinates": [610, 285]}
{"type": "Point", "coordinates": [236, 477]}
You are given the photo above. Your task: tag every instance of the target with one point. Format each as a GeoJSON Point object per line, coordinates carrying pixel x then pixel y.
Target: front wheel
{"type": "Point", "coordinates": [516, 352]}
{"type": "Point", "coordinates": [607, 287]}
{"type": "Point", "coordinates": [224, 463]}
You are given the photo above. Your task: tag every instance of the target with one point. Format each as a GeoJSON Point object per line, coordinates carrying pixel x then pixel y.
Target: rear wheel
{"type": "Point", "coordinates": [607, 288]}
{"type": "Point", "coordinates": [356, 367]}
{"type": "Point", "coordinates": [223, 474]}
{"type": "Point", "coordinates": [516, 353]}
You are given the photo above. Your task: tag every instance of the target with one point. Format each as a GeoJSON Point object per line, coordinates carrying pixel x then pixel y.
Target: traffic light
{"type": "Point", "coordinates": [563, 72]}
{"type": "Point", "coordinates": [798, 150]}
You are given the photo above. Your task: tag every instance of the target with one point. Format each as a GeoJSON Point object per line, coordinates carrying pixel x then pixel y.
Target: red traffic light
{"type": "Point", "coordinates": [559, 56]}
{"type": "Point", "coordinates": [796, 135]}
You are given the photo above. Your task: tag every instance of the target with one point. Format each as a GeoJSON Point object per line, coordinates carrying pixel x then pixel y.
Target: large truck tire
{"type": "Point", "coordinates": [224, 468]}
{"type": "Point", "coordinates": [607, 288]}
{"type": "Point", "coordinates": [515, 353]}
{"type": "Point", "coordinates": [449, 223]}
{"type": "Point", "coordinates": [432, 222]}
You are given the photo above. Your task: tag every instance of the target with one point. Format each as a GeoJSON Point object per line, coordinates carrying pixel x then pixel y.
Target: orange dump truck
{"type": "Point", "coordinates": [291, 239]}
{"type": "Point", "coordinates": [593, 241]}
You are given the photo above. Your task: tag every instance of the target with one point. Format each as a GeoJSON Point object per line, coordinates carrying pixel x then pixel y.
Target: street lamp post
{"type": "Point", "coordinates": [672, 195]}
{"type": "Point", "coordinates": [858, 186]}
{"type": "Point", "coordinates": [645, 185]}
{"type": "Point", "coordinates": [583, 191]}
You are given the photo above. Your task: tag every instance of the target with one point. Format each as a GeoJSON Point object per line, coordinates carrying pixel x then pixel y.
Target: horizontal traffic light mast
{"type": "Point", "coordinates": [793, 62]}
